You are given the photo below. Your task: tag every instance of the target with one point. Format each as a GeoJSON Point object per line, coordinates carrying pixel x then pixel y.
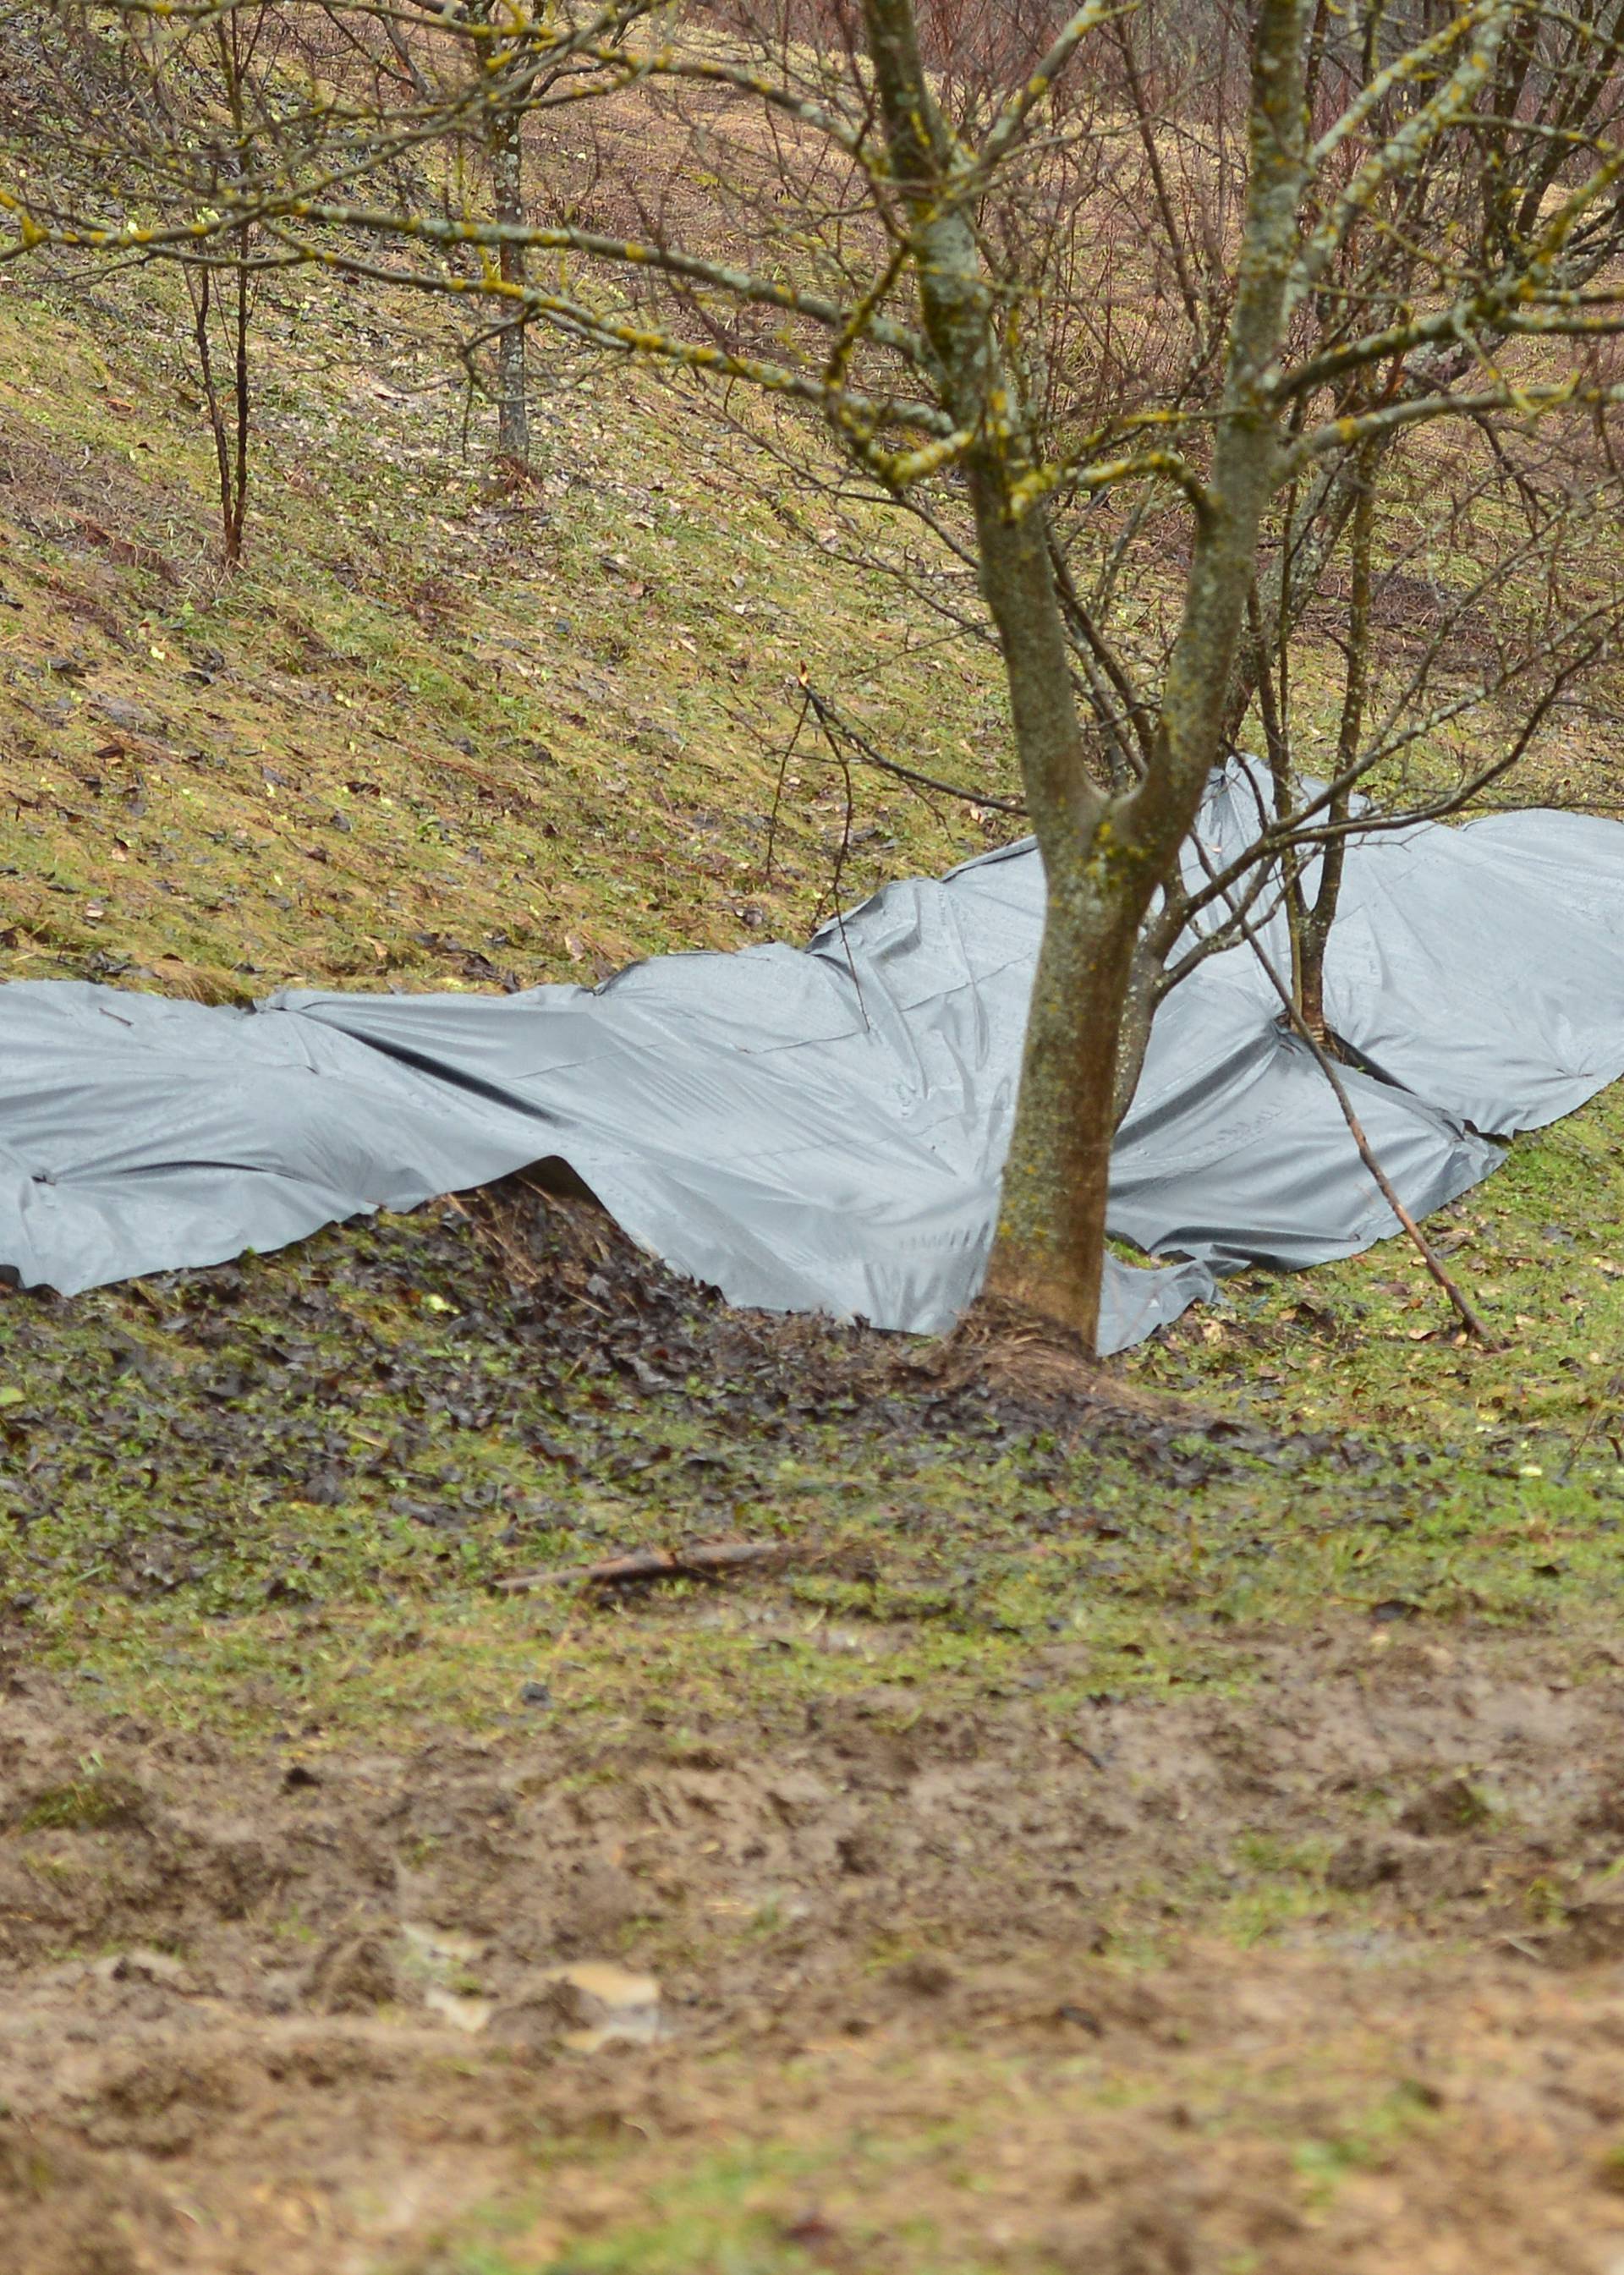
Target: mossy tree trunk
{"type": "Point", "coordinates": [1105, 852]}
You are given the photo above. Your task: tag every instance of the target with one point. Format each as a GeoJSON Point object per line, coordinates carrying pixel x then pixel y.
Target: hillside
{"type": "Point", "coordinates": [433, 733]}
{"type": "Point", "coordinates": [1162, 1821]}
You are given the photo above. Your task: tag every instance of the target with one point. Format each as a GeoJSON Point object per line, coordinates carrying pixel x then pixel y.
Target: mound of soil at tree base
{"type": "Point", "coordinates": [259, 1375]}
{"type": "Point", "coordinates": [558, 1275]}
{"type": "Point", "coordinates": [296, 2012]}
{"type": "Point", "coordinates": [573, 1285]}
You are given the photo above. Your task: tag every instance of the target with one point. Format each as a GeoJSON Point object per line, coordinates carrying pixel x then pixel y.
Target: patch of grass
{"type": "Point", "coordinates": [1324, 2163]}
{"type": "Point", "coordinates": [827, 2192]}
{"type": "Point", "coordinates": [1368, 1342]}
{"type": "Point", "coordinates": [274, 1498]}
{"type": "Point", "coordinates": [87, 1803]}
{"type": "Point", "coordinates": [751, 2211]}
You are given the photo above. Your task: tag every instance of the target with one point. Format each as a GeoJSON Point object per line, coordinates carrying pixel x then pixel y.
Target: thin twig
{"type": "Point", "coordinates": [836, 882]}
{"type": "Point", "coordinates": [835, 728]}
{"type": "Point", "coordinates": [778, 788]}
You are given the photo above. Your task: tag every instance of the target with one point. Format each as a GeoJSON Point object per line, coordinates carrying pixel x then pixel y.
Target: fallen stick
{"type": "Point", "coordinates": [703, 1561]}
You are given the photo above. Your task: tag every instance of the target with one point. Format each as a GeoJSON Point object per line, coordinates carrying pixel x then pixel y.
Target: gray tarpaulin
{"type": "Point", "coordinates": [823, 1129]}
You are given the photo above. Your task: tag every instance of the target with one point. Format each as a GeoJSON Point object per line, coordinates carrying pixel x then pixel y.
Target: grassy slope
{"type": "Point", "coordinates": [359, 1435]}
{"type": "Point", "coordinates": [425, 723]}
{"type": "Point", "coordinates": [402, 749]}
{"type": "Point", "coordinates": [272, 1504]}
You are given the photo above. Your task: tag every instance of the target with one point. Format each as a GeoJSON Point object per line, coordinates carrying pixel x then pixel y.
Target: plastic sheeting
{"type": "Point", "coordinates": [823, 1130]}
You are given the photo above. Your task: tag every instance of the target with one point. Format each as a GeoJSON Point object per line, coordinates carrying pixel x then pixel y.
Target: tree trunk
{"type": "Point", "coordinates": [1050, 1251]}
{"type": "Point", "coordinates": [512, 406]}
{"type": "Point", "coordinates": [1103, 856]}
{"type": "Point", "coordinates": [1104, 869]}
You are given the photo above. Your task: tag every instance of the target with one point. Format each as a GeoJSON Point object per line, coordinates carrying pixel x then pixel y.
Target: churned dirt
{"type": "Point", "coordinates": [299, 2014]}
{"type": "Point", "coordinates": [754, 1930]}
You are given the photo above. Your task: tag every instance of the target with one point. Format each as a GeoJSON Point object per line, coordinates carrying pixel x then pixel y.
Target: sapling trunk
{"type": "Point", "coordinates": [512, 405]}
{"type": "Point", "coordinates": [1313, 934]}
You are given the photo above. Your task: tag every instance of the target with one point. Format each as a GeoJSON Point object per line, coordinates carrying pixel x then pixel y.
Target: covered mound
{"type": "Point", "coordinates": [823, 1130]}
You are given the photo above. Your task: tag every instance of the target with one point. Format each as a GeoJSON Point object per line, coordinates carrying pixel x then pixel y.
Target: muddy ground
{"type": "Point", "coordinates": [294, 2016]}
{"type": "Point", "coordinates": [985, 1890]}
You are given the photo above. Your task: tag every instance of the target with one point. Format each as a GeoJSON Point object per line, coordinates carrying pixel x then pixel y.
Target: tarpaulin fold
{"type": "Point", "coordinates": [824, 1129]}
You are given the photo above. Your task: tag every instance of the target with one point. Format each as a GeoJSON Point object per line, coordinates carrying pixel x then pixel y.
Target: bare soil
{"type": "Point", "coordinates": [299, 2014]}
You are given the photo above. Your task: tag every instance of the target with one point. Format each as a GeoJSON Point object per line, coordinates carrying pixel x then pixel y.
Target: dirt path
{"type": "Point", "coordinates": [1326, 1973]}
